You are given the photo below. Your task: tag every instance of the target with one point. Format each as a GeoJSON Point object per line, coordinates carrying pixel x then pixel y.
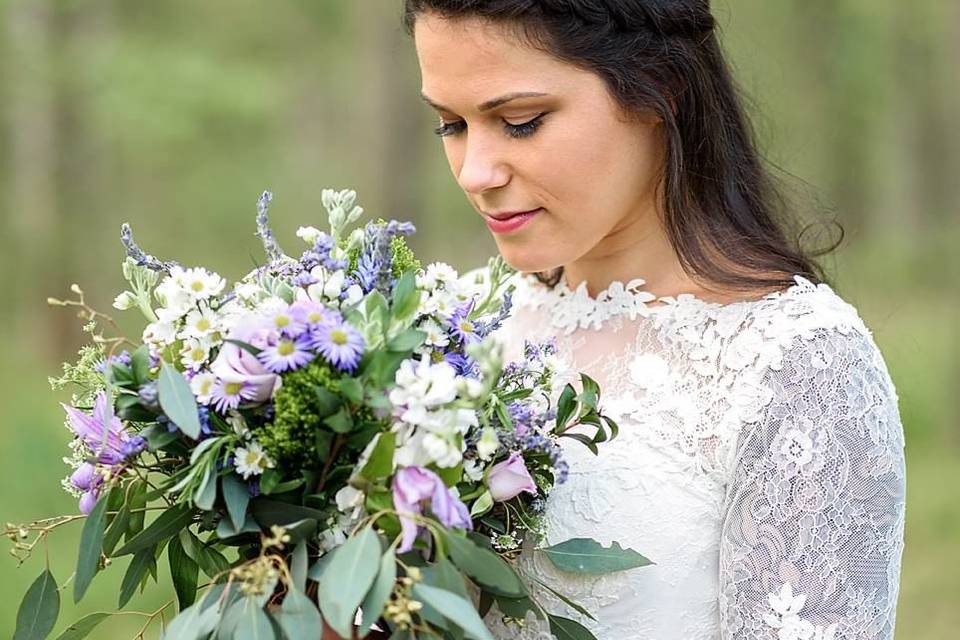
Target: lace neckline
{"type": "Point", "coordinates": [570, 309]}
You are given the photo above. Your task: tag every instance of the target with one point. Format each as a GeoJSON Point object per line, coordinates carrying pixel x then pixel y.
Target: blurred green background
{"type": "Point", "coordinates": [175, 115]}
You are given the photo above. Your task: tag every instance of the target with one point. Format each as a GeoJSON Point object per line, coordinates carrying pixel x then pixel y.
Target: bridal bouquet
{"type": "Point", "coordinates": [335, 438]}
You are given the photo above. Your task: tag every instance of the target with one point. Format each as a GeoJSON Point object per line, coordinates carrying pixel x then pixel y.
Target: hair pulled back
{"type": "Point", "coordinates": [723, 212]}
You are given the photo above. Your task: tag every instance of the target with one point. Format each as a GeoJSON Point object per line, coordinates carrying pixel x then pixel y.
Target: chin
{"type": "Point", "coordinates": [527, 259]}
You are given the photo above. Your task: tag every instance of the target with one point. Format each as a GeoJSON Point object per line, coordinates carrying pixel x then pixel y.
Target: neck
{"type": "Point", "coordinates": [639, 249]}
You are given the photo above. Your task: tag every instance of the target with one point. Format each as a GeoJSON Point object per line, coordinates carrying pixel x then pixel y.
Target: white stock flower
{"type": "Point", "coordinates": [473, 470]}
{"type": "Point", "coordinates": [328, 284]}
{"type": "Point", "coordinates": [310, 235]}
{"type": "Point", "coordinates": [124, 301]}
{"type": "Point", "coordinates": [488, 444]}
{"type": "Point", "coordinates": [442, 452]}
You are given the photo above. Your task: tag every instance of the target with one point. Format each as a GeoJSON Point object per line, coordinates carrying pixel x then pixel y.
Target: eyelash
{"type": "Point", "coordinates": [522, 130]}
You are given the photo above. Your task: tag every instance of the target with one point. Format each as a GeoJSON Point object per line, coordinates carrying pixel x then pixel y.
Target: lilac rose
{"type": "Point", "coordinates": [412, 487]}
{"type": "Point", "coordinates": [507, 479]}
{"type": "Point", "coordinates": [236, 365]}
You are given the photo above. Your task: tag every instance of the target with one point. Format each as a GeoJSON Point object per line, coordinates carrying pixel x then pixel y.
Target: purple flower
{"type": "Point", "coordinates": [313, 313]}
{"type": "Point", "coordinates": [339, 343]}
{"type": "Point", "coordinates": [460, 324]}
{"type": "Point", "coordinates": [85, 477]}
{"type": "Point", "coordinates": [507, 479]}
{"type": "Point", "coordinates": [228, 395]}
{"type": "Point", "coordinates": [412, 487]}
{"type": "Point", "coordinates": [463, 365]}
{"type": "Point", "coordinates": [288, 354]}
{"type": "Point", "coordinates": [237, 365]}
{"type": "Point", "coordinates": [87, 501]}
{"type": "Point", "coordinates": [122, 358]}
{"type": "Point", "coordinates": [103, 432]}
{"type": "Point", "coordinates": [290, 322]}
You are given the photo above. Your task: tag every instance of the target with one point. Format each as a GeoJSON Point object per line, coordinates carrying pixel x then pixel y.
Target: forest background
{"type": "Point", "coordinates": [175, 115]}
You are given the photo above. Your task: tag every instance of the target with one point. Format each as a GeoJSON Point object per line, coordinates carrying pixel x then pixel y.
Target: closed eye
{"type": "Point", "coordinates": [522, 130]}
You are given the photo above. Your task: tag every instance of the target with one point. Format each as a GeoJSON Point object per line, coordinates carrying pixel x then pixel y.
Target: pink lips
{"type": "Point", "coordinates": [506, 224]}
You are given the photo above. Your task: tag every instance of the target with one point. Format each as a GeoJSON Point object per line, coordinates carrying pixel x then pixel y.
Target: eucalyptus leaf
{"type": "Point", "coordinates": [116, 529]}
{"type": "Point", "coordinates": [255, 625]}
{"type": "Point", "coordinates": [39, 609]}
{"type": "Point", "coordinates": [299, 617]}
{"type": "Point", "coordinates": [347, 578]}
{"type": "Point", "coordinates": [484, 566]}
{"type": "Point", "coordinates": [177, 400]}
{"type": "Point", "coordinates": [376, 598]}
{"type": "Point", "coordinates": [82, 627]}
{"type": "Point", "coordinates": [587, 556]}
{"type": "Point", "coordinates": [236, 495]}
{"type": "Point", "coordinates": [458, 610]}
{"type": "Point", "coordinates": [298, 566]}
{"type": "Point", "coordinates": [567, 629]}
{"type": "Point", "coordinates": [206, 493]}
{"type": "Point", "coordinates": [166, 525]}
{"type": "Point", "coordinates": [193, 623]}
{"type": "Point", "coordinates": [137, 568]}
{"type": "Point", "coordinates": [184, 571]}
{"type": "Point", "coordinates": [91, 546]}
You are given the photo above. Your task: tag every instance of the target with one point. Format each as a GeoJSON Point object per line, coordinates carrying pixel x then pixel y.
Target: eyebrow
{"type": "Point", "coordinates": [490, 104]}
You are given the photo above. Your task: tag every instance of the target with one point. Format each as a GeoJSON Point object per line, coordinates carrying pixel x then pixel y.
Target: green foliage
{"type": "Point", "coordinates": [289, 439]}
{"type": "Point", "coordinates": [82, 374]}
{"type": "Point", "coordinates": [403, 258]}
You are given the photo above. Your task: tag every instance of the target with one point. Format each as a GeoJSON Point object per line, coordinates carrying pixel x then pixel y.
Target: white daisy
{"type": "Point", "coordinates": [251, 460]}
{"type": "Point", "coordinates": [202, 386]}
{"type": "Point", "coordinates": [436, 336]}
{"type": "Point", "coordinates": [200, 323]}
{"type": "Point", "coordinates": [200, 283]}
{"type": "Point", "coordinates": [194, 353]}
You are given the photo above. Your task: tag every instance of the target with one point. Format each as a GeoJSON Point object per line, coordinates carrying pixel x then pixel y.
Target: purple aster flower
{"type": "Point", "coordinates": [412, 488]}
{"type": "Point", "coordinates": [133, 446]}
{"type": "Point", "coordinates": [122, 358]}
{"type": "Point", "coordinates": [253, 486]}
{"type": "Point", "coordinates": [339, 343]}
{"type": "Point", "coordinates": [287, 354]}
{"type": "Point", "coordinates": [460, 324]}
{"type": "Point", "coordinates": [228, 395]}
{"type": "Point", "coordinates": [312, 313]}
{"type": "Point", "coordinates": [304, 279]}
{"type": "Point", "coordinates": [463, 365]}
{"type": "Point", "coordinates": [290, 322]}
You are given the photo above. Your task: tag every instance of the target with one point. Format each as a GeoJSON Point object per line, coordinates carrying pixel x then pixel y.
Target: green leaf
{"type": "Point", "coordinates": [586, 440]}
{"type": "Point", "coordinates": [298, 566]}
{"type": "Point", "coordinates": [91, 546]}
{"type": "Point", "coordinates": [136, 500]}
{"type": "Point", "coordinates": [253, 623]}
{"type": "Point", "coordinates": [587, 556]}
{"type": "Point", "coordinates": [323, 440]}
{"type": "Point", "coordinates": [237, 496]}
{"type": "Point", "coordinates": [406, 296]}
{"type": "Point", "coordinates": [352, 390]}
{"type": "Point", "coordinates": [376, 598]}
{"type": "Point", "coordinates": [567, 629]}
{"type": "Point", "coordinates": [166, 525]}
{"type": "Point", "coordinates": [225, 528]}
{"type": "Point", "coordinates": [347, 578]}
{"type": "Point", "coordinates": [565, 406]}
{"type": "Point", "coordinates": [270, 512]}
{"type": "Point", "coordinates": [268, 481]}
{"type": "Point", "coordinates": [137, 568]}
{"type": "Point", "coordinates": [407, 341]}
{"type": "Point", "coordinates": [206, 493]}
{"type": "Point", "coordinates": [380, 462]}
{"type": "Point", "coordinates": [116, 529]}
{"type": "Point", "coordinates": [193, 623]}
{"type": "Point", "coordinates": [517, 607]}
{"type": "Point", "coordinates": [246, 346]}
{"type": "Point", "coordinates": [327, 401]}
{"type": "Point", "coordinates": [481, 505]}
{"type": "Point", "coordinates": [484, 566]}
{"type": "Point", "coordinates": [318, 567]}
{"type": "Point", "coordinates": [184, 571]}
{"type": "Point", "coordinates": [140, 365]}
{"type": "Point", "coordinates": [456, 609]}
{"type": "Point", "coordinates": [341, 421]}
{"type": "Point", "coordinates": [82, 627]}
{"type": "Point", "coordinates": [299, 617]}
{"type": "Point", "coordinates": [177, 400]}
{"type": "Point", "coordinates": [39, 609]}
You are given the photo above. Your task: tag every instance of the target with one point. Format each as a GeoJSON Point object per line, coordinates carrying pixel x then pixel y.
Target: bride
{"type": "Point", "coordinates": [760, 457]}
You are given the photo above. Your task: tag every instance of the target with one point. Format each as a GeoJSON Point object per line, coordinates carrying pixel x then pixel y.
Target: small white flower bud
{"type": "Point", "coordinates": [124, 301]}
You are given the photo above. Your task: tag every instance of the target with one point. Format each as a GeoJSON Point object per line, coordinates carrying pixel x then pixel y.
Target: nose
{"type": "Point", "coordinates": [483, 167]}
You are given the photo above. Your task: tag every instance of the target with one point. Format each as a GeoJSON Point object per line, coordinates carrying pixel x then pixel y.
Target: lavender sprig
{"type": "Point", "coordinates": [270, 246]}
{"type": "Point", "coordinates": [137, 254]}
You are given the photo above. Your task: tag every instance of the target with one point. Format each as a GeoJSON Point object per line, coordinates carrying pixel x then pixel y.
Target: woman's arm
{"type": "Point", "coordinates": [813, 531]}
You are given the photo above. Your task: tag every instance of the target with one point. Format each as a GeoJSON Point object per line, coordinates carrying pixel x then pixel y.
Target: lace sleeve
{"type": "Point", "coordinates": [813, 528]}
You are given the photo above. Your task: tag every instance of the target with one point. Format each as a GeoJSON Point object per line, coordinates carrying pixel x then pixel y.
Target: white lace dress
{"type": "Point", "coordinates": [759, 465]}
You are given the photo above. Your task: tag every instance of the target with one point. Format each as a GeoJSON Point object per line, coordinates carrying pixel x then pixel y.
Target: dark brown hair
{"type": "Point", "coordinates": [724, 214]}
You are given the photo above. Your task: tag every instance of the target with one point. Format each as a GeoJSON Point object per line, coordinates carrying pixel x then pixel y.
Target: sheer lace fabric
{"type": "Point", "coordinates": [759, 465]}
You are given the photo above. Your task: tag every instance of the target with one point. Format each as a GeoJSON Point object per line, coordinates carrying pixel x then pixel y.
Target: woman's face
{"type": "Point", "coordinates": [589, 172]}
